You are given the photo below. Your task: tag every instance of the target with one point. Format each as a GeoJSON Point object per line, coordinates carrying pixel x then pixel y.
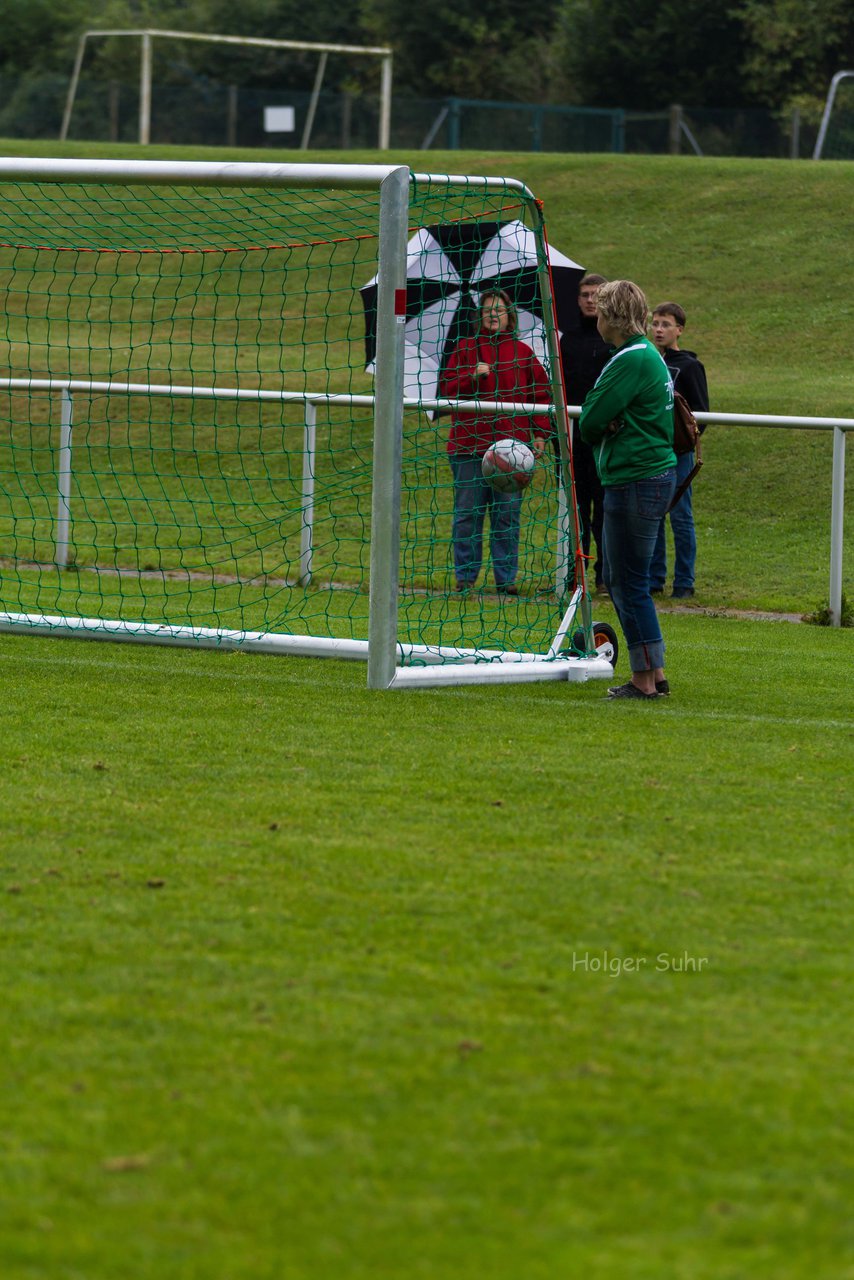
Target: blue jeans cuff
{"type": "Point", "coordinates": [646, 657]}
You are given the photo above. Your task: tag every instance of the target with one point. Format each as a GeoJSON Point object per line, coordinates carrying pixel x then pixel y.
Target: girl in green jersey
{"type": "Point", "coordinates": [628, 420]}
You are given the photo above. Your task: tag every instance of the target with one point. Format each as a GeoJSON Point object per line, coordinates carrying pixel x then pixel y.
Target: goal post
{"type": "Point", "coordinates": [388, 430]}
{"type": "Point", "coordinates": [192, 451]}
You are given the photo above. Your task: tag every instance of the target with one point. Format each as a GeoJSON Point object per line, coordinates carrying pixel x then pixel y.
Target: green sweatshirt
{"type": "Point", "coordinates": [634, 391]}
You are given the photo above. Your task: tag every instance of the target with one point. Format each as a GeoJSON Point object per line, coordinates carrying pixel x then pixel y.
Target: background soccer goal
{"type": "Point", "coordinates": [192, 452]}
{"type": "Point", "coordinates": [835, 139]}
{"type": "Point", "coordinates": [147, 37]}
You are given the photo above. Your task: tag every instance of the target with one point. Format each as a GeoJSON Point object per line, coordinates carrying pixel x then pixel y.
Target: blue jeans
{"type": "Point", "coordinates": [633, 513]}
{"type": "Point", "coordinates": [684, 537]}
{"type": "Point", "coordinates": [473, 498]}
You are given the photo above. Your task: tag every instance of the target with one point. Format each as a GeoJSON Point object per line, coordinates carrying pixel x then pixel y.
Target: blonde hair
{"type": "Point", "coordinates": [623, 306]}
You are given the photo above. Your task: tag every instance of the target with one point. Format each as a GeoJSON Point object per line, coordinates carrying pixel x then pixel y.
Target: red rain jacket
{"type": "Point", "coordinates": [516, 374]}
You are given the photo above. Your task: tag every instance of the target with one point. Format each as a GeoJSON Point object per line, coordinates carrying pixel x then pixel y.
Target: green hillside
{"type": "Point", "coordinates": [757, 251]}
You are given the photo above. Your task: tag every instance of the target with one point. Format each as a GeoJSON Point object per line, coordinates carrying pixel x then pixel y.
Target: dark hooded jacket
{"type": "Point", "coordinates": [689, 378]}
{"type": "Point", "coordinates": [584, 354]}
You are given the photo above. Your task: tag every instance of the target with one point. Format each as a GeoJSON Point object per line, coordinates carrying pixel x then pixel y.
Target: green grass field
{"type": "Point", "coordinates": [304, 982]}
{"type": "Point", "coordinates": [298, 978]}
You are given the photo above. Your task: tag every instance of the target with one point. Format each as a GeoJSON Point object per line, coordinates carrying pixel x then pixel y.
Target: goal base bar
{"type": "Point", "coordinates": [436, 664]}
{"type": "Point", "coordinates": [573, 669]}
{"type": "Point", "coordinates": [182, 636]}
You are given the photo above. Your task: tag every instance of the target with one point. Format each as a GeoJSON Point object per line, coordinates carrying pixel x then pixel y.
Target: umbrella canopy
{"type": "Point", "coordinates": [448, 269]}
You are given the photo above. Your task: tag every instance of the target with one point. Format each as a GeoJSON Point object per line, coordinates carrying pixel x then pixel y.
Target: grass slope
{"type": "Point", "coordinates": [300, 981]}
{"type": "Point", "coordinates": [752, 248]}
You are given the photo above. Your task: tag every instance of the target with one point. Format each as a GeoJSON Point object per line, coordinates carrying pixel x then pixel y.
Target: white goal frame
{"type": "Point", "coordinates": [390, 663]}
{"type": "Point", "coordinates": [147, 35]}
{"type": "Point", "coordinates": [828, 108]}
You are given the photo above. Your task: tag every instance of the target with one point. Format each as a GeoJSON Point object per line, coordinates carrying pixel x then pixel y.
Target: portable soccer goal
{"type": "Point", "coordinates": [192, 451]}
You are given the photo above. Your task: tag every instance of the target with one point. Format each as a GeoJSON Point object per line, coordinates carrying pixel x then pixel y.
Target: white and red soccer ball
{"type": "Point", "coordinates": [508, 465]}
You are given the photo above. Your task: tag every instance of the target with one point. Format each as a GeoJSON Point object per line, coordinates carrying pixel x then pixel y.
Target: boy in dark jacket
{"type": "Point", "coordinates": [689, 377]}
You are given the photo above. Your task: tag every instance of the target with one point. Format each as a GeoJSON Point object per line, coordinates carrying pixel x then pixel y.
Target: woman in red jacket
{"type": "Point", "coordinates": [492, 365]}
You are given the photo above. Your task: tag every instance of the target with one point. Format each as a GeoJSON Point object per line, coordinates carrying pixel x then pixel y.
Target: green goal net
{"type": "Point", "coordinates": [189, 409]}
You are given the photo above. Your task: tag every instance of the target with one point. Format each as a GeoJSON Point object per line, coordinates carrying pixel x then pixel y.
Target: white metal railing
{"type": "Point", "coordinates": [838, 426]}
{"type": "Point", "coordinates": [68, 386]}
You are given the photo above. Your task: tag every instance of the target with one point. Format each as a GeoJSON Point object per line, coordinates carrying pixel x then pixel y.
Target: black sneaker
{"type": "Point", "coordinates": [681, 593]}
{"type": "Point", "coordinates": [630, 690]}
{"type": "Point", "coordinates": [507, 589]}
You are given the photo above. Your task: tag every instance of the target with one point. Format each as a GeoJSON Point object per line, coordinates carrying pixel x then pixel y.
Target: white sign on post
{"type": "Point", "coordinates": [279, 120]}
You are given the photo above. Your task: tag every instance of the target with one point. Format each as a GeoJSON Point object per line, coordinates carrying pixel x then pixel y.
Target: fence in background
{"type": "Point", "coordinates": [838, 426]}
{"type": "Point", "coordinates": [64, 455]}
{"type": "Point", "coordinates": [203, 112]}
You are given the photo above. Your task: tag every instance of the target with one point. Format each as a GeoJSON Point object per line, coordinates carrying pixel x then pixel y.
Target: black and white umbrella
{"type": "Point", "coordinates": [448, 269]}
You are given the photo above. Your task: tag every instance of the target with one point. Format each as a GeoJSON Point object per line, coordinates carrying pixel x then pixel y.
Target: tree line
{"type": "Point", "coordinates": [771, 54]}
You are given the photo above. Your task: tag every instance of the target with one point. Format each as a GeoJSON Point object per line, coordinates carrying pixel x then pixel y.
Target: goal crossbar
{"type": "Point", "coordinates": [239, 173]}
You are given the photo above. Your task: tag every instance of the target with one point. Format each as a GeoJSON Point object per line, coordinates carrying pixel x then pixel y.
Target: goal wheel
{"type": "Point", "coordinates": [604, 642]}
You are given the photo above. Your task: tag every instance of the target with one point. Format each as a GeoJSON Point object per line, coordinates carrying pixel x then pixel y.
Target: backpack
{"type": "Point", "coordinates": [686, 439]}
{"type": "Point", "coordinates": [686, 430]}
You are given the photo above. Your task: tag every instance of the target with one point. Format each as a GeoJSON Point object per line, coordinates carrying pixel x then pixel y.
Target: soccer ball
{"type": "Point", "coordinates": [508, 465]}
